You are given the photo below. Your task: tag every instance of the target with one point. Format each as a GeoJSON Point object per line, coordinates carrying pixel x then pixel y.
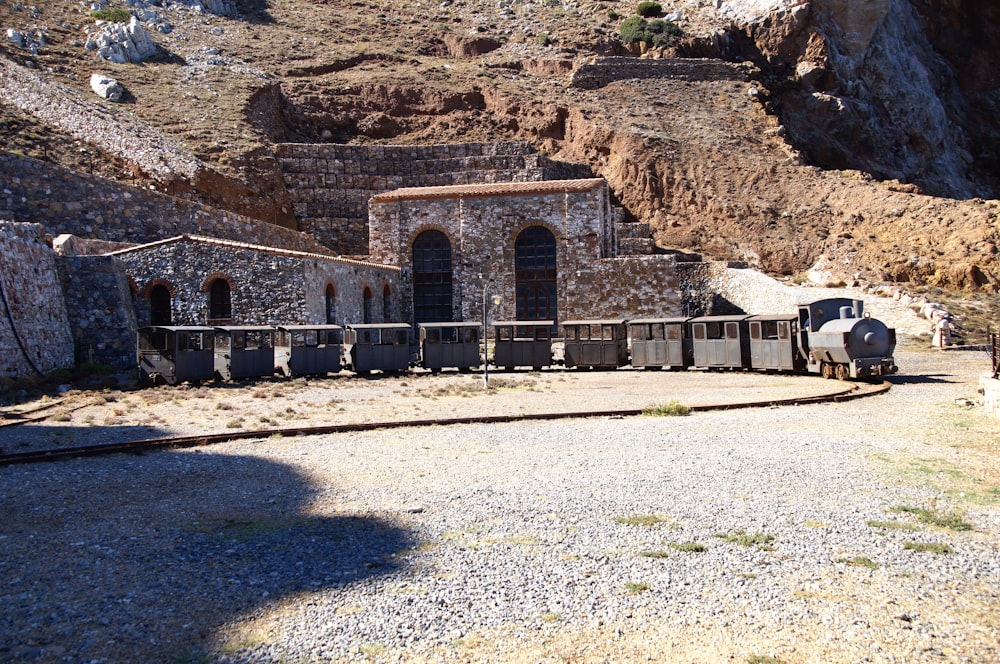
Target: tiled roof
{"type": "Point", "coordinates": [488, 190]}
{"type": "Point", "coordinates": [200, 239]}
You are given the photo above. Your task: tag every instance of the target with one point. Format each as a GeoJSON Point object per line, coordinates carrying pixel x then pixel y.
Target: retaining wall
{"type": "Point", "coordinates": [603, 71]}
{"type": "Point", "coordinates": [89, 206]}
{"type": "Point", "coordinates": [99, 304]}
{"type": "Point", "coordinates": [34, 325]}
{"type": "Point", "coordinates": [330, 184]}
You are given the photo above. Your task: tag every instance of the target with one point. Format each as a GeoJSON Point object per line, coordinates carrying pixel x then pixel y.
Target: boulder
{"type": "Point", "coordinates": [106, 87]}
{"type": "Point", "coordinates": [218, 7]}
{"type": "Point", "coordinates": [14, 37]}
{"type": "Point", "coordinates": [121, 43]}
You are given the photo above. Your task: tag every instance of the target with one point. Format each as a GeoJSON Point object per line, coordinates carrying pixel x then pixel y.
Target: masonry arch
{"type": "Point", "coordinates": [160, 305]}
{"type": "Point", "coordinates": [220, 293]}
{"type": "Point", "coordinates": [386, 303]}
{"type": "Point", "coordinates": [535, 274]}
{"type": "Point", "coordinates": [330, 303]}
{"type": "Point", "coordinates": [432, 276]}
{"type": "Point", "coordinates": [160, 294]}
{"type": "Point", "coordinates": [367, 306]}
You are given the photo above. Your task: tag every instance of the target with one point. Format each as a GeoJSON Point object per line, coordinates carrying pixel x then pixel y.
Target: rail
{"type": "Point", "coordinates": [848, 393]}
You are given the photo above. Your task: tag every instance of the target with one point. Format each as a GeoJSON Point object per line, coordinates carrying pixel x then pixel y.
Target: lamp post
{"type": "Point", "coordinates": [486, 333]}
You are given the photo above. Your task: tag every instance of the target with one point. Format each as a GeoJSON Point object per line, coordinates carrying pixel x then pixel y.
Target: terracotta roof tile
{"type": "Point", "coordinates": [493, 189]}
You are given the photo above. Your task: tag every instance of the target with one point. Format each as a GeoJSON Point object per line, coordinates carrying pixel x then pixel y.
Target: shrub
{"type": "Point", "coordinates": [656, 33]}
{"type": "Point", "coordinates": [672, 409]}
{"type": "Point", "coordinates": [649, 9]}
{"type": "Point", "coordinates": [117, 15]}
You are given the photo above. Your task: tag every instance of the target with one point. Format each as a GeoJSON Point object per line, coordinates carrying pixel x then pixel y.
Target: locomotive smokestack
{"type": "Point", "coordinates": [859, 308]}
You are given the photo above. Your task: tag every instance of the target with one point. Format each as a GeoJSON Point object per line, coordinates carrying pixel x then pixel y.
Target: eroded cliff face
{"type": "Point", "coordinates": [894, 88]}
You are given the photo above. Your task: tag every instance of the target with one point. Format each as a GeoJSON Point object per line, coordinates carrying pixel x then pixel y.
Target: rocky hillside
{"type": "Point", "coordinates": [858, 139]}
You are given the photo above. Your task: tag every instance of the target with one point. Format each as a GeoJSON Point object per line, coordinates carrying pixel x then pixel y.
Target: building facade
{"type": "Point", "coordinates": [548, 250]}
{"type": "Point", "coordinates": [192, 280]}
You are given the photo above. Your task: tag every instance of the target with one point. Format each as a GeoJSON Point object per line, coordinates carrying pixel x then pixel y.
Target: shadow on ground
{"type": "Point", "coordinates": [130, 558]}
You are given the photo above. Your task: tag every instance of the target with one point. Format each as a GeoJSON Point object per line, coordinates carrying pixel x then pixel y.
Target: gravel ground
{"type": "Point", "coordinates": [531, 542]}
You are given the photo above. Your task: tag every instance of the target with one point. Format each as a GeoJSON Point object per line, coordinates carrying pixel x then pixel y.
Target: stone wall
{"type": "Point", "coordinates": [482, 223]}
{"type": "Point", "coordinates": [269, 287]}
{"type": "Point", "coordinates": [330, 184]}
{"type": "Point", "coordinates": [602, 71]}
{"type": "Point", "coordinates": [92, 207]}
{"type": "Point", "coordinates": [34, 326]}
{"type": "Point", "coordinates": [118, 132]}
{"type": "Point", "coordinates": [99, 304]}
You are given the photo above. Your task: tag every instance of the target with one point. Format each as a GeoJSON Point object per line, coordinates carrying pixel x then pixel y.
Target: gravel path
{"type": "Point", "coordinates": [542, 542]}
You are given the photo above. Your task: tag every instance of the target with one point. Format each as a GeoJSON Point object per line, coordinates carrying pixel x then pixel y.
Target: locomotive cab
{"type": "Point", "coordinates": [839, 341]}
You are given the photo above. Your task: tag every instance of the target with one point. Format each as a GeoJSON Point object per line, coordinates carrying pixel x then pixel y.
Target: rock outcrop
{"type": "Point", "coordinates": [863, 86]}
{"type": "Point", "coordinates": [122, 42]}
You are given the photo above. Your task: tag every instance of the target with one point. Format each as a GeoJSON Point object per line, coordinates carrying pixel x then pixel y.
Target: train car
{"type": "Point", "coordinates": [720, 342]}
{"type": "Point", "coordinates": [244, 351]}
{"type": "Point", "coordinates": [449, 345]}
{"type": "Point", "coordinates": [773, 344]}
{"type": "Point", "coordinates": [660, 343]}
{"type": "Point", "coordinates": [598, 344]}
{"type": "Point", "coordinates": [173, 354]}
{"type": "Point", "coordinates": [308, 350]}
{"type": "Point", "coordinates": [377, 347]}
{"type": "Point", "coordinates": [522, 343]}
{"type": "Point", "coordinates": [840, 341]}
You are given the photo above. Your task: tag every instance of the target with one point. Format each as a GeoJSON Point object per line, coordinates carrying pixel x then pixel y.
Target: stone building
{"type": "Point", "coordinates": [549, 249]}
{"type": "Point", "coordinates": [192, 280]}
{"type": "Point", "coordinates": [430, 229]}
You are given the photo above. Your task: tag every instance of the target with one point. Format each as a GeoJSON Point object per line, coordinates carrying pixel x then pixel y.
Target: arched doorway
{"type": "Point", "coordinates": [331, 304]}
{"type": "Point", "coordinates": [367, 306]}
{"type": "Point", "coordinates": [220, 307]}
{"type": "Point", "coordinates": [432, 296]}
{"type": "Point", "coordinates": [386, 304]}
{"type": "Point", "coordinates": [160, 305]}
{"type": "Point", "coordinates": [535, 274]}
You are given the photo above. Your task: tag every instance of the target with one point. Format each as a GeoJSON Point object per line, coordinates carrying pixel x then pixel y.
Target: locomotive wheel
{"type": "Point", "coordinates": [842, 373]}
{"type": "Point", "coordinates": [827, 371]}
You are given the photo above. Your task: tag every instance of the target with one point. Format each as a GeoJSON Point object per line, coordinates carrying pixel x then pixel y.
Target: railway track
{"type": "Point", "coordinates": [850, 392]}
{"type": "Point", "coordinates": [38, 413]}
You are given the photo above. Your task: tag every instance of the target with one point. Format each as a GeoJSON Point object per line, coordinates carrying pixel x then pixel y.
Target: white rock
{"type": "Point", "coordinates": [106, 87]}
{"type": "Point", "coordinates": [14, 37]}
{"type": "Point", "coordinates": [123, 43]}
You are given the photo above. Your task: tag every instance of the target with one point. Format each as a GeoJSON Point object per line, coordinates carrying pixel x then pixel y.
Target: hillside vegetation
{"type": "Point", "coordinates": [856, 142]}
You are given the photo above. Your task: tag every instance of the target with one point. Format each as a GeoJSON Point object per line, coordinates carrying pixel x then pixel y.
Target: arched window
{"type": "Point", "coordinates": [220, 305]}
{"type": "Point", "coordinates": [386, 304]}
{"type": "Point", "coordinates": [367, 306]}
{"type": "Point", "coordinates": [535, 274]}
{"type": "Point", "coordinates": [160, 305]}
{"type": "Point", "coordinates": [432, 278]}
{"type": "Point", "coordinates": [331, 304]}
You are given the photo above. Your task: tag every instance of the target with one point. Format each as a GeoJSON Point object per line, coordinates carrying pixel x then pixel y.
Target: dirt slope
{"type": "Point", "coordinates": [711, 165]}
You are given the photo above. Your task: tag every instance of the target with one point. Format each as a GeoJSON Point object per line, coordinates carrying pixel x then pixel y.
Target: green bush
{"type": "Point", "coordinates": [117, 15]}
{"type": "Point", "coordinates": [673, 408]}
{"type": "Point", "coordinates": [649, 9]}
{"type": "Point", "coordinates": [656, 33]}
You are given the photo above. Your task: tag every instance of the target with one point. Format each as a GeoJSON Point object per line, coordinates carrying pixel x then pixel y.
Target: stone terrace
{"type": "Point", "coordinates": [330, 184]}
